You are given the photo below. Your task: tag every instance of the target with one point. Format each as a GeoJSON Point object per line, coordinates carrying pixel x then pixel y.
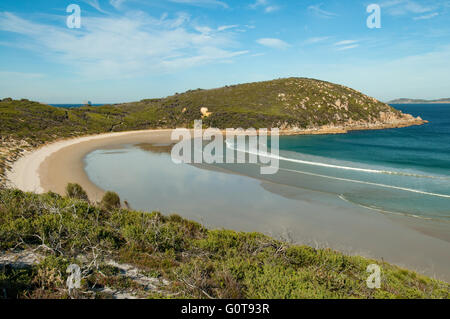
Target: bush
{"type": "Point", "coordinates": [76, 191]}
{"type": "Point", "coordinates": [197, 262]}
{"type": "Point", "coordinates": [110, 201]}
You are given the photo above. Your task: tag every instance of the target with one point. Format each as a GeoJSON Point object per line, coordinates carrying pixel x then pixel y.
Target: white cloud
{"type": "Point", "coordinates": [417, 76]}
{"type": "Point", "coordinates": [273, 43]}
{"type": "Point", "coordinates": [423, 10]}
{"type": "Point", "coordinates": [316, 40]}
{"type": "Point", "coordinates": [345, 42]}
{"type": "Point", "coordinates": [226, 27]}
{"type": "Point", "coordinates": [132, 45]}
{"type": "Point", "coordinates": [427, 16]}
{"type": "Point", "coordinates": [95, 4]}
{"type": "Point", "coordinates": [265, 5]}
{"type": "Point", "coordinates": [270, 9]}
{"type": "Point", "coordinates": [259, 3]}
{"type": "Point", "coordinates": [202, 3]}
{"type": "Point", "coordinates": [318, 11]}
{"type": "Point", "coordinates": [403, 7]}
{"type": "Point", "coordinates": [346, 45]}
{"type": "Point", "coordinates": [203, 30]}
{"type": "Point", "coordinates": [116, 3]}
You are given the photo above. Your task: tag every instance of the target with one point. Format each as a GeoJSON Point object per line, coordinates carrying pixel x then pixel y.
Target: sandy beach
{"type": "Point", "coordinates": [34, 171]}
{"type": "Point", "coordinates": [51, 167]}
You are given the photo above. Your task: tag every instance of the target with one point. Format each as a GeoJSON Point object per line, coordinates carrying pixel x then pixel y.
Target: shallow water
{"type": "Point", "coordinates": [226, 195]}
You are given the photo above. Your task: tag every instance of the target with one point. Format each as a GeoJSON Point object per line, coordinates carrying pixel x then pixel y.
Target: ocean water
{"type": "Point", "coordinates": [402, 171]}
{"type": "Point", "coordinates": [73, 105]}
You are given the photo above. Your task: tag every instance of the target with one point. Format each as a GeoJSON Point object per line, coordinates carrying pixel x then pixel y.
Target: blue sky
{"type": "Point", "coordinates": [127, 50]}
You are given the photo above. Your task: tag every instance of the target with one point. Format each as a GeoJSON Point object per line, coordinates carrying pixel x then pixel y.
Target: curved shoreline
{"type": "Point", "coordinates": [31, 172]}
{"type": "Point", "coordinates": [51, 167]}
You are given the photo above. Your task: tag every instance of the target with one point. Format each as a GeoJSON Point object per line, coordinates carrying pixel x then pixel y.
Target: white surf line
{"type": "Point", "coordinates": [385, 211]}
{"type": "Point", "coordinates": [343, 179]}
{"type": "Point", "coordinates": [365, 170]}
{"type": "Point", "coordinates": [368, 183]}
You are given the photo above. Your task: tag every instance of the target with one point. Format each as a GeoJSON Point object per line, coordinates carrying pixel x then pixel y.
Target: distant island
{"type": "Point", "coordinates": [419, 101]}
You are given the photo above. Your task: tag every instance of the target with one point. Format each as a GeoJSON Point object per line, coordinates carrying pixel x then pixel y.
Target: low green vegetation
{"type": "Point", "coordinates": [110, 200]}
{"type": "Point", "coordinates": [191, 260]}
{"type": "Point", "coordinates": [76, 191]}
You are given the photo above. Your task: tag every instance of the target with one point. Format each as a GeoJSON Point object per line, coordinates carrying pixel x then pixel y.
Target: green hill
{"type": "Point", "coordinates": [284, 103]}
{"type": "Point", "coordinates": [290, 104]}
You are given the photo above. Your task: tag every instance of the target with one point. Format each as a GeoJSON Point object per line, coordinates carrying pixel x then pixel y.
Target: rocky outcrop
{"type": "Point", "coordinates": [386, 121]}
{"type": "Point", "coordinates": [204, 111]}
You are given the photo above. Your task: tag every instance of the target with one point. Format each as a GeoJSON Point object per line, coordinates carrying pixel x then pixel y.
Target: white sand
{"type": "Point", "coordinates": [24, 173]}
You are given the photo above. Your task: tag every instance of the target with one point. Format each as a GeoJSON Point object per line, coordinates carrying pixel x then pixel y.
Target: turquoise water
{"type": "Point", "coordinates": [397, 171]}
{"type": "Point", "coordinates": [403, 171]}
{"type": "Point", "coordinates": [418, 148]}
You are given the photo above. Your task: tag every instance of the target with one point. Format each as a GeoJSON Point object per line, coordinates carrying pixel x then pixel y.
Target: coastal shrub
{"type": "Point", "coordinates": [53, 195]}
{"type": "Point", "coordinates": [76, 191]}
{"type": "Point", "coordinates": [51, 273]}
{"type": "Point", "coordinates": [197, 262]}
{"type": "Point", "coordinates": [221, 242]}
{"type": "Point", "coordinates": [15, 283]}
{"type": "Point", "coordinates": [110, 201]}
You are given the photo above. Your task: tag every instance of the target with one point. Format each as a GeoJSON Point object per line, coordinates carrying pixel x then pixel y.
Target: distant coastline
{"type": "Point", "coordinates": [419, 101]}
{"type": "Point", "coordinates": [68, 105]}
